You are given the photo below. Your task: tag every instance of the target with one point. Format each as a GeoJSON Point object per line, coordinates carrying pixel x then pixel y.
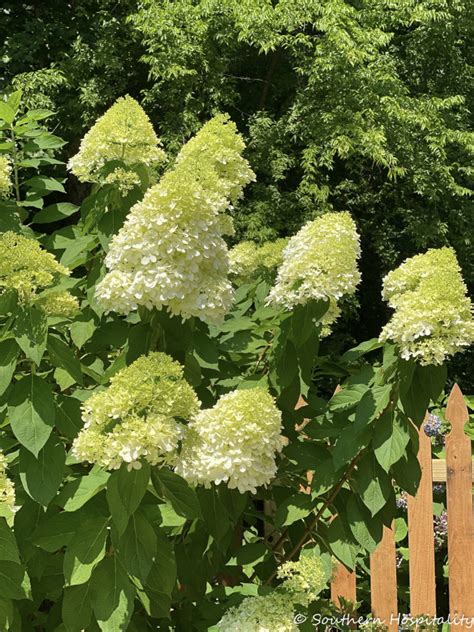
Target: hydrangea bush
{"type": "Point", "coordinates": [163, 400]}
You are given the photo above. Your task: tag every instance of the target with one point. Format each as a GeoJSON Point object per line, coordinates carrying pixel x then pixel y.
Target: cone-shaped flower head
{"type": "Point", "coordinates": [170, 252]}
{"type": "Point", "coordinates": [5, 182]}
{"type": "Point", "coordinates": [7, 491]}
{"type": "Point", "coordinates": [123, 133]}
{"type": "Point", "coordinates": [248, 259]}
{"type": "Point", "coordinates": [29, 269]}
{"type": "Point", "coordinates": [319, 262]}
{"type": "Point", "coordinates": [433, 314]}
{"type": "Point", "coordinates": [138, 416]}
{"type": "Point", "coordinates": [236, 441]}
{"type": "Point", "coordinates": [303, 580]}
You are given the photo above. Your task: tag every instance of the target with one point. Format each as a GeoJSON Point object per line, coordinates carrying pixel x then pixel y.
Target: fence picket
{"type": "Point", "coordinates": [421, 536]}
{"type": "Point", "coordinates": [460, 511]}
{"type": "Point", "coordinates": [343, 584]}
{"type": "Point", "coordinates": [383, 581]}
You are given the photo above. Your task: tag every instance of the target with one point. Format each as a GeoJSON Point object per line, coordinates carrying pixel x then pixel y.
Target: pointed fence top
{"type": "Point", "coordinates": [456, 411]}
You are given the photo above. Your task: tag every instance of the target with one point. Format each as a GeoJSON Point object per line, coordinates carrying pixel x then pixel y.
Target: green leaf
{"type": "Point", "coordinates": [7, 114]}
{"type": "Point", "coordinates": [30, 329]}
{"type": "Point", "coordinates": [77, 607]}
{"type": "Point", "coordinates": [292, 509]}
{"type": "Point", "coordinates": [350, 442]}
{"type": "Point", "coordinates": [9, 351]}
{"type": "Point", "coordinates": [137, 547]}
{"type": "Point", "coordinates": [372, 483]}
{"type": "Point", "coordinates": [341, 543]}
{"type": "Point", "coordinates": [176, 490]}
{"type": "Point", "coordinates": [407, 473]}
{"type": "Point", "coordinates": [31, 410]}
{"type": "Point", "coordinates": [372, 404]}
{"type": "Point", "coordinates": [44, 184]}
{"type": "Point", "coordinates": [304, 320]}
{"type": "Point", "coordinates": [366, 529]}
{"type": "Point", "coordinates": [55, 532]}
{"type": "Point", "coordinates": [215, 515]}
{"type": "Point", "coordinates": [113, 596]}
{"type": "Point", "coordinates": [390, 438]}
{"type": "Point", "coordinates": [68, 416]}
{"type": "Point", "coordinates": [347, 398]}
{"type": "Point", "coordinates": [365, 347]}
{"type": "Point", "coordinates": [85, 551]}
{"type": "Point", "coordinates": [6, 614]}
{"type": "Point", "coordinates": [76, 493]}
{"type": "Point", "coordinates": [125, 491]}
{"type": "Point", "coordinates": [13, 580]}
{"type": "Point", "coordinates": [434, 378]}
{"type": "Point", "coordinates": [62, 356]}
{"type": "Point", "coordinates": [8, 546]}
{"type": "Point", "coordinates": [42, 476]}
{"type": "Point", "coordinates": [81, 331]}
{"type": "Point", "coordinates": [55, 213]}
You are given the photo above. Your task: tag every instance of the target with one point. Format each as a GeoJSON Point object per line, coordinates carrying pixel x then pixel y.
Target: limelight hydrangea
{"type": "Point", "coordinates": [248, 259]}
{"type": "Point", "coordinates": [7, 491]}
{"type": "Point", "coordinates": [433, 314]}
{"type": "Point", "coordinates": [138, 416]}
{"type": "Point", "coordinates": [270, 613]}
{"type": "Point", "coordinates": [125, 180]}
{"type": "Point", "coordinates": [170, 252]}
{"type": "Point", "coordinates": [28, 269]}
{"type": "Point", "coordinates": [235, 441]}
{"type": "Point", "coordinates": [123, 133]}
{"type": "Point", "coordinates": [319, 262]}
{"type": "Point", "coordinates": [5, 170]}
{"type": "Point", "coordinates": [303, 580]}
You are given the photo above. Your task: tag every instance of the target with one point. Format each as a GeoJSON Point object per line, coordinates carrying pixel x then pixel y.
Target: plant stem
{"type": "Point", "coordinates": [16, 183]}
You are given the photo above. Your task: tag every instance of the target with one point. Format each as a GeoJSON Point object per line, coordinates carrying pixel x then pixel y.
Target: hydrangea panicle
{"type": "Point", "coordinates": [319, 262]}
{"type": "Point", "coordinates": [234, 442]}
{"type": "Point", "coordinates": [170, 252]}
{"type": "Point", "coordinates": [123, 133]}
{"type": "Point", "coordinates": [433, 314]}
{"type": "Point", "coordinates": [139, 416]}
{"type": "Point", "coordinates": [5, 181]}
{"type": "Point", "coordinates": [7, 490]}
{"type": "Point", "coordinates": [248, 259]}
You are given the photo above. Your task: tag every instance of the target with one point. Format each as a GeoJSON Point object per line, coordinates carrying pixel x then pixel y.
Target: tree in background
{"type": "Point", "coordinates": [359, 106]}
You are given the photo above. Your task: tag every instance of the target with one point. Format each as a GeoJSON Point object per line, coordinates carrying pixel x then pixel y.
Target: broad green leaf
{"type": "Point", "coordinates": [76, 493]}
{"type": "Point", "coordinates": [350, 442]}
{"type": "Point", "coordinates": [62, 356]}
{"type": "Point", "coordinates": [55, 213]}
{"type": "Point", "coordinates": [44, 184]}
{"type": "Point", "coordinates": [215, 515]}
{"type": "Point", "coordinates": [407, 473]}
{"type": "Point", "coordinates": [8, 357]}
{"type": "Point", "coordinates": [68, 416]}
{"type": "Point", "coordinates": [13, 580]}
{"type": "Point", "coordinates": [137, 547]}
{"type": "Point", "coordinates": [176, 490]}
{"type": "Point", "coordinates": [85, 551]}
{"type": "Point", "coordinates": [366, 528]}
{"type": "Point", "coordinates": [347, 398]}
{"type": "Point", "coordinates": [401, 529]}
{"type": "Point", "coordinates": [390, 438]}
{"type": "Point", "coordinates": [7, 114]}
{"type": "Point", "coordinates": [125, 491]}
{"type": "Point", "coordinates": [372, 404]}
{"type": "Point", "coordinates": [112, 596]}
{"type": "Point", "coordinates": [357, 352]}
{"type": "Point", "coordinates": [30, 330]}
{"type": "Point", "coordinates": [292, 509]}
{"type": "Point", "coordinates": [341, 544]}
{"type": "Point", "coordinates": [77, 607]}
{"type": "Point", "coordinates": [81, 331]}
{"type": "Point", "coordinates": [372, 483]}
{"type": "Point", "coordinates": [31, 410]}
{"type": "Point", "coordinates": [42, 476]}
{"type": "Point", "coordinates": [6, 614]}
{"type": "Point", "coordinates": [8, 546]}
{"type": "Point", "coordinates": [434, 377]}
{"type": "Point", "coordinates": [55, 532]}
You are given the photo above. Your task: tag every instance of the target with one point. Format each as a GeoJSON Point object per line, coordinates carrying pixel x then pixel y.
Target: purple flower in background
{"type": "Point", "coordinates": [439, 488]}
{"type": "Point", "coordinates": [402, 501]}
{"type": "Point", "coordinates": [440, 524]}
{"type": "Point", "coordinates": [433, 426]}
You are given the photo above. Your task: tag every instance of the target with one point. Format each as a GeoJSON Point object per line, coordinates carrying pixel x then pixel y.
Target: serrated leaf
{"type": "Point", "coordinates": [8, 546]}
{"type": "Point", "coordinates": [30, 330]}
{"type": "Point", "coordinates": [372, 483]}
{"type": "Point", "coordinates": [9, 352]}
{"type": "Point", "coordinates": [347, 398]}
{"type": "Point", "coordinates": [390, 438]}
{"type": "Point", "coordinates": [112, 596]}
{"type": "Point", "coordinates": [55, 532]}
{"type": "Point", "coordinates": [85, 551]}
{"type": "Point", "coordinates": [125, 491]}
{"type": "Point", "coordinates": [77, 607]}
{"type": "Point", "coordinates": [42, 476]}
{"type": "Point", "coordinates": [366, 529]}
{"type": "Point", "coordinates": [62, 356]}
{"type": "Point", "coordinates": [31, 410]}
{"type": "Point", "coordinates": [177, 491]}
{"type": "Point", "coordinates": [76, 493]}
{"type": "Point", "coordinates": [137, 547]}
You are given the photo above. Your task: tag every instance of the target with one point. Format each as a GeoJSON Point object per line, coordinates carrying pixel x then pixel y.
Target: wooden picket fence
{"type": "Point", "coordinates": [457, 472]}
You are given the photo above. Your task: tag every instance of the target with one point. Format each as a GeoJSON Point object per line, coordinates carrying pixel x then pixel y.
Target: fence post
{"type": "Point", "coordinates": [421, 536]}
{"type": "Point", "coordinates": [383, 581]}
{"type": "Point", "coordinates": [460, 516]}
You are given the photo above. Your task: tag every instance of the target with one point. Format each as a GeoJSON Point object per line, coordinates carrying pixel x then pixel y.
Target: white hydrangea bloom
{"type": "Point", "coordinates": [433, 314]}
{"type": "Point", "coordinates": [138, 416]}
{"type": "Point", "coordinates": [319, 262]}
{"type": "Point", "coordinates": [7, 490]}
{"type": "Point", "coordinates": [248, 259]}
{"type": "Point", "coordinates": [170, 252]}
{"type": "Point", "coordinates": [304, 579]}
{"type": "Point", "coordinates": [5, 171]}
{"type": "Point", "coordinates": [270, 613]}
{"type": "Point", "coordinates": [123, 133]}
{"type": "Point", "coordinates": [235, 442]}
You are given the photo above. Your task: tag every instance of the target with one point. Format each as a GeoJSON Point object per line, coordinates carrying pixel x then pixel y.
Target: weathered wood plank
{"type": "Point", "coordinates": [383, 581]}
{"type": "Point", "coordinates": [439, 471]}
{"type": "Point", "coordinates": [460, 516]}
{"type": "Point", "coordinates": [343, 585]}
{"type": "Point", "coordinates": [421, 536]}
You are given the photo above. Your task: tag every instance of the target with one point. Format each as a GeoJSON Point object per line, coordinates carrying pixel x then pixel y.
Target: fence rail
{"type": "Point", "coordinates": [457, 472]}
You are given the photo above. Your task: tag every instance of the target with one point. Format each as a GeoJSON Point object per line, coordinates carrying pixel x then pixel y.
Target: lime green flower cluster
{"type": "Point", "coordinates": [170, 252]}
{"type": "Point", "coordinates": [125, 180]}
{"type": "Point", "coordinates": [319, 262]}
{"type": "Point", "coordinates": [433, 314]}
{"type": "Point", "coordinates": [138, 416]}
{"type": "Point", "coordinates": [123, 133]}
{"type": "Point", "coordinates": [235, 442]}
{"type": "Point", "coordinates": [303, 580]}
{"type": "Point", "coordinates": [5, 182]}
{"type": "Point", "coordinates": [248, 259]}
{"type": "Point", "coordinates": [28, 269]}
{"type": "Point", "coordinates": [7, 490]}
